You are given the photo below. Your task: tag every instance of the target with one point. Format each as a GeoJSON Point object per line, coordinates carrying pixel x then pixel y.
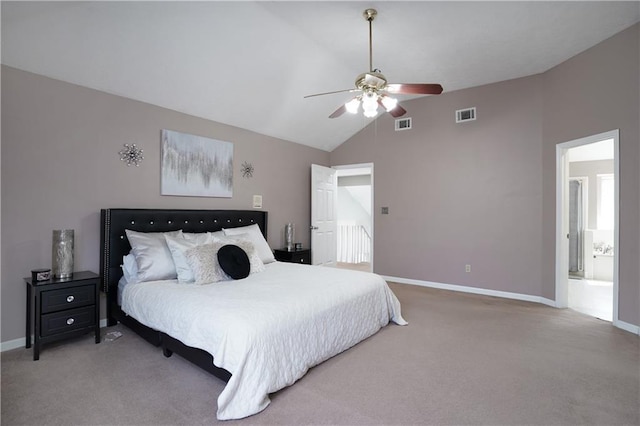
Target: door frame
{"type": "Point", "coordinates": [370, 166]}
{"type": "Point", "coordinates": [562, 221]}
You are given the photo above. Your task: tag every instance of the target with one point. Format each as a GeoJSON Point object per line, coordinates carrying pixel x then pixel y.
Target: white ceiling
{"type": "Point", "coordinates": [249, 64]}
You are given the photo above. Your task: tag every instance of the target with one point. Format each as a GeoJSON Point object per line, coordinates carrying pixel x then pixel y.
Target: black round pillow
{"type": "Point", "coordinates": [234, 261]}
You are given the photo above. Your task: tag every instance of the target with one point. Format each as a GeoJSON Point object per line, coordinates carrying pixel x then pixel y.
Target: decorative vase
{"type": "Point", "coordinates": [289, 231]}
{"type": "Point", "coordinates": [62, 253]}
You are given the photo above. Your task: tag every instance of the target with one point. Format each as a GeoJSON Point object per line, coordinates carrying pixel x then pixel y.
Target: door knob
{"type": "Point", "coordinates": [313, 228]}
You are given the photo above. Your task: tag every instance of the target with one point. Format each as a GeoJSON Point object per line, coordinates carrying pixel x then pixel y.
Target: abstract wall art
{"type": "Point", "coordinates": [196, 166]}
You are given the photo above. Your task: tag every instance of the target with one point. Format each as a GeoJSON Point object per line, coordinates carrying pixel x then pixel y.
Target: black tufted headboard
{"type": "Point", "coordinates": [114, 243]}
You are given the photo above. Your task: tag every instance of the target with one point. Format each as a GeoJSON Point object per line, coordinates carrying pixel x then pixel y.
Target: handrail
{"type": "Point", "coordinates": [354, 244]}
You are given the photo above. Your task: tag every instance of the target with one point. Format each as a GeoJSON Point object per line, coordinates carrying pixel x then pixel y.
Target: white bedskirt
{"type": "Point", "coordinates": [267, 330]}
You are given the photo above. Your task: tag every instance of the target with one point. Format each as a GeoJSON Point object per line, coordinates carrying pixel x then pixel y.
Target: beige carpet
{"type": "Point", "coordinates": [463, 359]}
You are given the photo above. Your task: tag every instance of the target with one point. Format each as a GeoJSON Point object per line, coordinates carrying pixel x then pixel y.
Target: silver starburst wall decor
{"type": "Point", "coordinates": [247, 170]}
{"type": "Point", "coordinates": [131, 154]}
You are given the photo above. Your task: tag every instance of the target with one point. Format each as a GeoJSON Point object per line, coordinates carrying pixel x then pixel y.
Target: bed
{"type": "Point", "coordinates": [259, 334]}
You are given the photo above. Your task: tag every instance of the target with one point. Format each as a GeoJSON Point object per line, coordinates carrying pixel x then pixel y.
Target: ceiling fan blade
{"type": "Point", "coordinates": [337, 113]}
{"type": "Point", "coordinates": [331, 93]}
{"type": "Point", "coordinates": [414, 89]}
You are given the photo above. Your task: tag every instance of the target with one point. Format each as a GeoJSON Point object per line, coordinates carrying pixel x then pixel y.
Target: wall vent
{"type": "Point", "coordinates": [403, 124]}
{"type": "Point", "coordinates": [467, 114]}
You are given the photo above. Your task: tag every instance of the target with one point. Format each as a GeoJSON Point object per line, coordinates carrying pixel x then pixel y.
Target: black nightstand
{"type": "Point", "coordinates": [294, 256]}
{"type": "Point", "coordinates": [62, 308]}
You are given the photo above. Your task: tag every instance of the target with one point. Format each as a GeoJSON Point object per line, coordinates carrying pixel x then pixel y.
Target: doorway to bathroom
{"type": "Point", "coordinates": [587, 206]}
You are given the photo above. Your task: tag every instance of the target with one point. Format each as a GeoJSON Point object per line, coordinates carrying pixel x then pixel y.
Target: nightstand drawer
{"type": "Point", "coordinates": [72, 319]}
{"type": "Point", "coordinates": [67, 298]}
{"type": "Point", "coordinates": [299, 258]}
{"type": "Point", "coordinates": [295, 256]}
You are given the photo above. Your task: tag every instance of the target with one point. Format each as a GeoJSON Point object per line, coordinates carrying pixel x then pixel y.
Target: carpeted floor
{"type": "Point", "coordinates": [464, 359]}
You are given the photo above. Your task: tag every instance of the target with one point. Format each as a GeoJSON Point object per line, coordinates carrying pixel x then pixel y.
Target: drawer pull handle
{"type": "Point", "coordinates": [70, 299]}
{"type": "Point", "coordinates": [70, 321]}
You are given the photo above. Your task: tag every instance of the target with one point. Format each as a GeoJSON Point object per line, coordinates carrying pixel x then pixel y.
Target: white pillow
{"type": "Point", "coordinates": [153, 255]}
{"type": "Point", "coordinates": [178, 247]}
{"type": "Point", "coordinates": [244, 242]}
{"type": "Point", "coordinates": [256, 237]}
{"type": "Point", "coordinates": [130, 268]}
{"type": "Point", "coordinates": [203, 261]}
{"type": "Point", "coordinates": [199, 237]}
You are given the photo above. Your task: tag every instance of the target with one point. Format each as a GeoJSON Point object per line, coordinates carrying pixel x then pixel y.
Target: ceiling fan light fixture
{"type": "Point", "coordinates": [370, 104]}
{"type": "Point", "coordinates": [389, 103]}
{"type": "Point", "coordinates": [353, 105]}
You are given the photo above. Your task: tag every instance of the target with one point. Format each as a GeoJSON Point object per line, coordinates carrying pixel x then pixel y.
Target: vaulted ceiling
{"type": "Point", "coordinates": [249, 64]}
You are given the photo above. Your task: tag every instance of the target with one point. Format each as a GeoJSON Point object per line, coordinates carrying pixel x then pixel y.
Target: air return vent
{"type": "Point", "coordinates": [467, 114]}
{"type": "Point", "coordinates": [403, 124]}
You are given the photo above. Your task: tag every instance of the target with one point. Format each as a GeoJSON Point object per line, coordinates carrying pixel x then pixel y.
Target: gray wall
{"type": "Point", "coordinates": [453, 197]}
{"type": "Point", "coordinates": [594, 92]}
{"type": "Point", "coordinates": [60, 166]}
{"type": "Point", "coordinates": [483, 192]}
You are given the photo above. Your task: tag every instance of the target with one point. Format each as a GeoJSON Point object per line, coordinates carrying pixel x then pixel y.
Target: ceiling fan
{"type": "Point", "coordinates": [375, 89]}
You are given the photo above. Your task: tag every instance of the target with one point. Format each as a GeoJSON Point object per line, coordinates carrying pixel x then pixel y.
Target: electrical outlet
{"type": "Point", "coordinates": [467, 268]}
{"type": "Point", "coordinates": [385, 210]}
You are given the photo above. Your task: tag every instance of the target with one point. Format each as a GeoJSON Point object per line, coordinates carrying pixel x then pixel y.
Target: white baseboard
{"type": "Point", "coordinates": [474, 290]}
{"type": "Point", "coordinates": [507, 295]}
{"type": "Point", "coordinates": [19, 343]}
{"type": "Point", "coordinates": [627, 327]}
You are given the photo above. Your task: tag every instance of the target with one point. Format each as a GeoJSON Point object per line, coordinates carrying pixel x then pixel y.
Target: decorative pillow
{"type": "Point", "coordinates": [256, 237]}
{"type": "Point", "coordinates": [178, 247]}
{"type": "Point", "coordinates": [234, 261]}
{"type": "Point", "coordinates": [130, 268]}
{"type": "Point", "coordinates": [243, 241]}
{"type": "Point", "coordinates": [203, 261]}
{"type": "Point", "coordinates": [152, 255]}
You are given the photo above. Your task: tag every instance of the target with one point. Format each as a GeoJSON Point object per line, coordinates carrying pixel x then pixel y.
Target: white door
{"type": "Point", "coordinates": [324, 194]}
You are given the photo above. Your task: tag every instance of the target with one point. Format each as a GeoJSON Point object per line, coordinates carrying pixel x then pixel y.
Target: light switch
{"type": "Point", "coordinates": [257, 201]}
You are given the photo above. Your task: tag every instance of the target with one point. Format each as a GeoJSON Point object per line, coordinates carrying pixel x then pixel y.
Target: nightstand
{"type": "Point", "coordinates": [61, 308]}
{"type": "Point", "coordinates": [293, 256]}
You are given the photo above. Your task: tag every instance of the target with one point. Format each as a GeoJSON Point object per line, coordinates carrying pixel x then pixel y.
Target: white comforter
{"type": "Point", "coordinates": [267, 330]}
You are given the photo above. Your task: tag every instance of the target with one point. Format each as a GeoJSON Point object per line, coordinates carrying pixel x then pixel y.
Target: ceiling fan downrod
{"type": "Point", "coordinates": [370, 15]}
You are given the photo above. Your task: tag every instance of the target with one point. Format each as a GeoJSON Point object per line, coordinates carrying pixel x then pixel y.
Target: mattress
{"type": "Point", "coordinates": [268, 329]}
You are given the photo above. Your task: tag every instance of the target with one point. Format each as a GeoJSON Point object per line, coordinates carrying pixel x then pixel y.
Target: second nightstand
{"type": "Point", "coordinates": [294, 256]}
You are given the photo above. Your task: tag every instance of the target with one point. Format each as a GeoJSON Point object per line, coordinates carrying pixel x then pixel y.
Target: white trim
{"type": "Point", "coordinates": [473, 290]}
{"type": "Point", "coordinates": [627, 327]}
{"type": "Point", "coordinates": [20, 342]}
{"type": "Point", "coordinates": [562, 246]}
{"type": "Point", "coordinates": [496, 293]}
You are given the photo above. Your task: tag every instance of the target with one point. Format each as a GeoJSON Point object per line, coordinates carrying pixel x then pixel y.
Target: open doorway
{"type": "Point", "coordinates": [586, 244]}
{"type": "Point", "coordinates": [354, 209]}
